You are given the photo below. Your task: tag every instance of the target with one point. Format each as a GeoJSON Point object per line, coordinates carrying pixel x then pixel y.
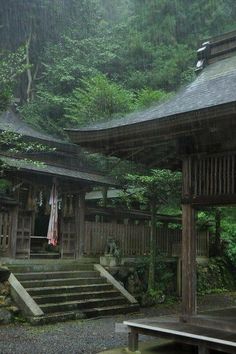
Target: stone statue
{"type": "Point", "coordinates": [112, 248]}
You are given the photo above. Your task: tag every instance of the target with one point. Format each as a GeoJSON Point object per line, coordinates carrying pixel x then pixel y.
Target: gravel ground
{"type": "Point", "coordinates": [88, 336]}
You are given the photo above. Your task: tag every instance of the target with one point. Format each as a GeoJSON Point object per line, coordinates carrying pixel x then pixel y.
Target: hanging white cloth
{"type": "Point", "coordinates": [52, 235]}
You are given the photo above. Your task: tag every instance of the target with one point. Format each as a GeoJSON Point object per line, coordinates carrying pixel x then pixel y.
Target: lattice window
{"type": "Point", "coordinates": [214, 176]}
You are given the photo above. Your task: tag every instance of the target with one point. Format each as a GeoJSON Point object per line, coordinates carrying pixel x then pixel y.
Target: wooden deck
{"type": "Point", "coordinates": [214, 330]}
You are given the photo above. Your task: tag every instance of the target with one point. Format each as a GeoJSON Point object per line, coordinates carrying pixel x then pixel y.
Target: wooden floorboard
{"type": "Point", "coordinates": [171, 327]}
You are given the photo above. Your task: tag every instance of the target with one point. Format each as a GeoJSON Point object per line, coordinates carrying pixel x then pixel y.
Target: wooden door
{"type": "Point", "coordinates": [24, 231]}
{"type": "Point", "coordinates": [68, 237]}
{"type": "Point", "coordinates": [5, 233]}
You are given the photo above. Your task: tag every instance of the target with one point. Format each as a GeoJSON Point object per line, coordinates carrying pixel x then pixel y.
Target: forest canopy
{"type": "Point", "coordinates": [77, 61]}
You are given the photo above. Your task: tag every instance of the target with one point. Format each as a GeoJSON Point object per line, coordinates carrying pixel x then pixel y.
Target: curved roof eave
{"type": "Point", "coordinates": [213, 90]}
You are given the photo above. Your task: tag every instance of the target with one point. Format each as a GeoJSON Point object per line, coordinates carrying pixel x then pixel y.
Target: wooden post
{"type": "Point", "coordinates": [80, 224]}
{"type": "Point", "coordinates": [188, 261]}
{"type": "Point", "coordinates": [179, 276]}
{"type": "Point", "coordinates": [188, 246]}
{"type": "Point", "coordinates": [14, 223]}
{"type": "Point", "coordinates": [133, 341]}
{"type": "Point", "coordinates": [202, 349]}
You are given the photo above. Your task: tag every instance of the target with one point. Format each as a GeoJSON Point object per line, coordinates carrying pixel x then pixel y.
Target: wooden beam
{"type": "Point", "coordinates": [209, 201]}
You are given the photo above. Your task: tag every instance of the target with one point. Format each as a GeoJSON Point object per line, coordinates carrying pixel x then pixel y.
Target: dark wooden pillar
{"type": "Point", "coordinates": [188, 261]}
{"type": "Point", "coordinates": [80, 224]}
{"type": "Point", "coordinates": [133, 341]}
{"type": "Point", "coordinates": [188, 246]}
{"type": "Point", "coordinates": [14, 224]}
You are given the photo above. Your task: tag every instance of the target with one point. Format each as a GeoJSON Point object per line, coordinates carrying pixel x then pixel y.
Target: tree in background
{"type": "Point", "coordinates": [160, 187]}
{"type": "Point", "coordinates": [98, 99]}
{"type": "Point", "coordinates": [137, 44]}
{"type": "Point", "coordinates": [12, 66]}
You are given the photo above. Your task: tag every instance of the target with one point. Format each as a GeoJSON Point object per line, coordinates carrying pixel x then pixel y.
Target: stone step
{"type": "Point", "coordinates": [111, 310]}
{"type": "Point", "coordinates": [56, 317]}
{"type": "Point", "coordinates": [68, 289]}
{"type": "Point", "coordinates": [62, 281]}
{"type": "Point", "coordinates": [45, 255]}
{"type": "Point", "coordinates": [49, 266]}
{"type": "Point", "coordinates": [83, 304]}
{"type": "Point", "coordinates": [65, 297]}
{"type": "Point", "coordinates": [56, 275]}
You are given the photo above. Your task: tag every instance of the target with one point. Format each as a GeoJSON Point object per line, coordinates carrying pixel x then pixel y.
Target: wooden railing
{"type": "Point", "coordinates": [214, 175]}
{"type": "Point", "coordinates": [134, 240]}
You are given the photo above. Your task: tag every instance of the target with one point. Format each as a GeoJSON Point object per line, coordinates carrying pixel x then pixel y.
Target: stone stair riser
{"type": "Point", "coordinates": [57, 298]}
{"type": "Point", "coordinates": [61, 282]}
{"type": "Point", "coordinates": [55, 275]}
{"type": "Point", "coordinates": [82, 305]}
{"type": "Point", "coordinates": [49, 267]}
{"type": "Point", "coordinates": [69, 289]}
{"type": "Point", "coordinates": [111, 311]}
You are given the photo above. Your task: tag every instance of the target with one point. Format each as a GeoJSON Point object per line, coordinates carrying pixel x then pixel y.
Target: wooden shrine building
{"type": "Point", "coordinates": [194, 131]}
{"type": "Point", "coordinates": [24, 205]}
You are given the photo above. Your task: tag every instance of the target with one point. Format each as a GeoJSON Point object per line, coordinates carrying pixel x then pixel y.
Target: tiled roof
{"type": "Point", "coordinates": [215, 86]}
{"type": "Point", "coordinates": [47, 169]}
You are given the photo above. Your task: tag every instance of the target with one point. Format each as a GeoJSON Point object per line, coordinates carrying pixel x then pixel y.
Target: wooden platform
{"type": "Point", "coordinates": [203, 336]}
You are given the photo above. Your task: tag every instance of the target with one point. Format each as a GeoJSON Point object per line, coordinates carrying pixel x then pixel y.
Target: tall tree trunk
{"type": "Point", "coordinates": [151, 274]}
{"type": "Point", "coordinates": [28, 71]}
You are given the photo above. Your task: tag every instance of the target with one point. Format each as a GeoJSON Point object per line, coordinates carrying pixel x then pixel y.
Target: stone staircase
{"type": "Point", "coordinates": [70, 291]}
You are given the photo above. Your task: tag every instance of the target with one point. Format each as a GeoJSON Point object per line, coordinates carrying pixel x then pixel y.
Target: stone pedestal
{"type": "Point", "coordinates": [109, 261]}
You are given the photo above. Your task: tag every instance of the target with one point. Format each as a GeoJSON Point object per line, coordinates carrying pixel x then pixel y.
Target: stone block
{"type": "Point", "coordinates": [4, 274]}
{"type": "Point", "coordinates": [109, 261]}
{"type": "Point", "coordinates": [5, 316]}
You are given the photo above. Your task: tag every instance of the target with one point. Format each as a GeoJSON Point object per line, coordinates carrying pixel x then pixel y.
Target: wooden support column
{"type": "Point", "coordinates": [202, 349]}
{"type": "Point", "coordinates": [14, 224]}
{"type": "Point", "coordinates": [188, 247]}
{"type": "Point", "coordinates": [188, 261]}
{"type": "Point", "coordinates": [133, 341]}
{"type": "Point", "coordinates": [80, 224]}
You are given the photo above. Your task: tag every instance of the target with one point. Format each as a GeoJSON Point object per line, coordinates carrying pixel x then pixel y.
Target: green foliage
{"type": "Point", "coordinates": [46, 112]}
{"type": "Point", "coordinates": [98, 99]}
{"type": "Point", "coordinates": [5, 185]}
{"type": "Point", "coordinates": [130, 50]}
{"type": "Point", "coordinates": [214, 277]}
{"type": "Point", "coordinates": [160, 187]}
{"type": "Point", "coordinates": [146, 97]}
{"type": "Point", "coordinates": [12, 65]}
{"type": "Point", "coordinates": [164, 279]}
{"type": "Point", "coordinates": [14, 144]}
{"type": "Point", "coordinates": [228, 234]}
